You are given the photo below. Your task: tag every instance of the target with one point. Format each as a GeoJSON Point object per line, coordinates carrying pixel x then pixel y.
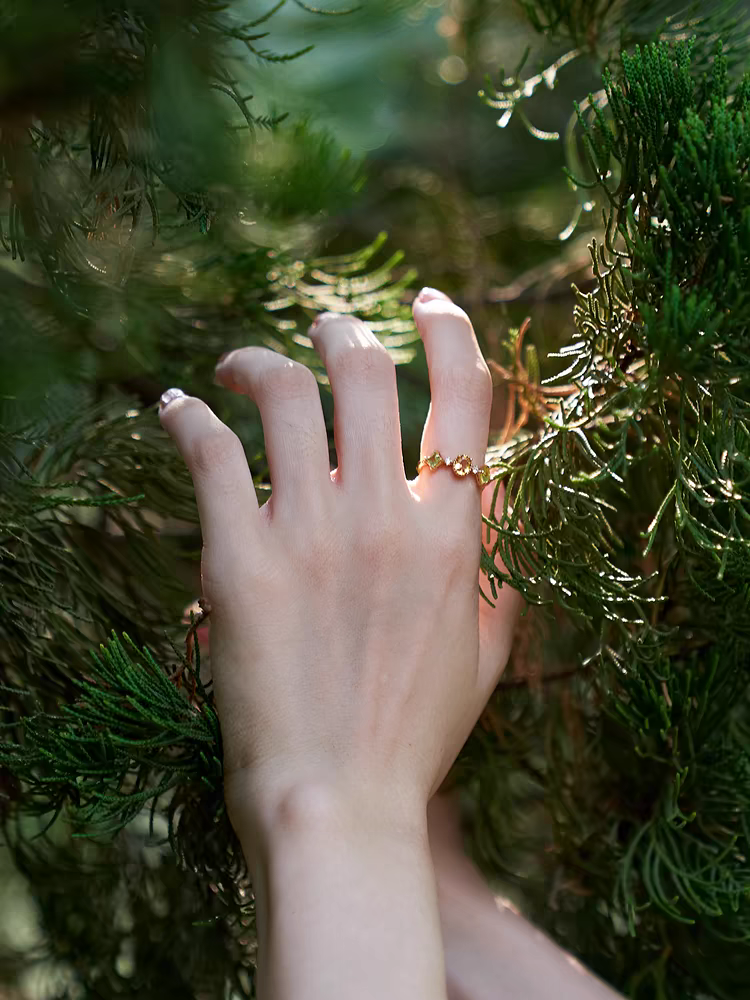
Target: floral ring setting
{"type": "Point", "coordinates": [462, 466]}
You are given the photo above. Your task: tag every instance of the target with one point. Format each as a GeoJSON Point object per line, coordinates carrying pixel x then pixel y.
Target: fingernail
{"type": "Point", "coordinates": [168, 396]}
{"type": "Point", "coordinates": [322, 318]}
{"type": "Point", "coordinates": [223, 359]}
{"type": "Point", "coordinates": [428, 294]}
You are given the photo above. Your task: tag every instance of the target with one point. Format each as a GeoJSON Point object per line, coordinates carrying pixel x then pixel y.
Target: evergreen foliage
{"type": "Point", "coordinates": [654, 406]}
{"type": "Point", "coordinates": [616, 795]}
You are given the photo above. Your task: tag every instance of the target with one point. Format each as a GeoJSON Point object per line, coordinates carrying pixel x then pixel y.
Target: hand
{"type": "Point", "coordinates": [349, 645]}
{"type": "Point", "coordinates": [350, 653]}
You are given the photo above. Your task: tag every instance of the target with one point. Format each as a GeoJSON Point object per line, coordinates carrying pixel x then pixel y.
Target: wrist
{"type": "Point", "coordinates": [353, 873]}
{"type": "Point", "coordinates": [324, 809]}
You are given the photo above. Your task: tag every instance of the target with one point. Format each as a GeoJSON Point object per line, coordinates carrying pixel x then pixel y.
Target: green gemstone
{"type": "Point", "coordinates": [435, 460]}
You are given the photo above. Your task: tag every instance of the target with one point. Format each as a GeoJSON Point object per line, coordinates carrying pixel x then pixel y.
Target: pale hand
{"type": "Point", "coordinates": [349, 646]}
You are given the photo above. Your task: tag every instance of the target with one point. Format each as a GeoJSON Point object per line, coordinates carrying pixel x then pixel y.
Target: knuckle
{"type": "Point", "coordinates": [386, 544]}
{"type": "Point", "coordinates": [470, 386]}
{"type": "Point", "coordinates": [362, 363]}
{"type": "Point", "coordinates": [315, 564]}
{"type": "Point", "coordinates": [286, 381]}
{"type": "Point", "coordinates": [216, 584]}
{"type": "Point", "coordinates": [381, 544]}
{"type": "Point", "coordinates": [223, 577]}
{"type": "Point", "coordinates": [452, 548]}
{"type": "Point", "coordinates": [316, 555]}
{"type": "Point", "coordinates": [213, 448]}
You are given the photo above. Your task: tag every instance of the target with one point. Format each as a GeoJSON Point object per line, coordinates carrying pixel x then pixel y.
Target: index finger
{"type": "Point", "coordinates": [224, 489]}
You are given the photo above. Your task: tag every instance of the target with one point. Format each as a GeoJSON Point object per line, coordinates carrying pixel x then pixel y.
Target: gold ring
{"type": "Point", "coordinates": [462, 465]}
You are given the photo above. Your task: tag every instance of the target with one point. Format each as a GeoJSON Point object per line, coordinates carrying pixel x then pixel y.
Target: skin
{"type": "Point", "coordinates": [491, 951]}
{"type": "Point", "coordinates": [350, 651]}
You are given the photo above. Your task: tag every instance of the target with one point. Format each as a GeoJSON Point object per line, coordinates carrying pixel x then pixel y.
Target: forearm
{"type": "Point", "coordinates": [347, 906]}
{"type": "Point", "coordinates": [493, 953]}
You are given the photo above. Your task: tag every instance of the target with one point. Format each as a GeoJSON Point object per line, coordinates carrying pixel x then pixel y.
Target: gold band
{"type": "Point", "coordinates": [462, 465]}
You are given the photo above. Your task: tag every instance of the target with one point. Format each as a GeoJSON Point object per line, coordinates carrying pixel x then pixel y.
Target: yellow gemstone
{"type": "Point", "coordinates": [483, 475]}
{"type": "Point", "coordinates": [434, 460]}
{"type": "Point", "coordinates": [462, 465]}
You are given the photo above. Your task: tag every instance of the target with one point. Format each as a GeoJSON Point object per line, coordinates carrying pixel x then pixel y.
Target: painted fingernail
{"type": "Point", "coordinates": [428, 294]}
{"type": "Point", "coordinates": [168, 396]}
{"type": "Point", "coordinates": [322, 318]}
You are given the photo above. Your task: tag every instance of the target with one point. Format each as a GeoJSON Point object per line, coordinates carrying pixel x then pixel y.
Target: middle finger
{"type": "Point", "coordinates": [366, 425]}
